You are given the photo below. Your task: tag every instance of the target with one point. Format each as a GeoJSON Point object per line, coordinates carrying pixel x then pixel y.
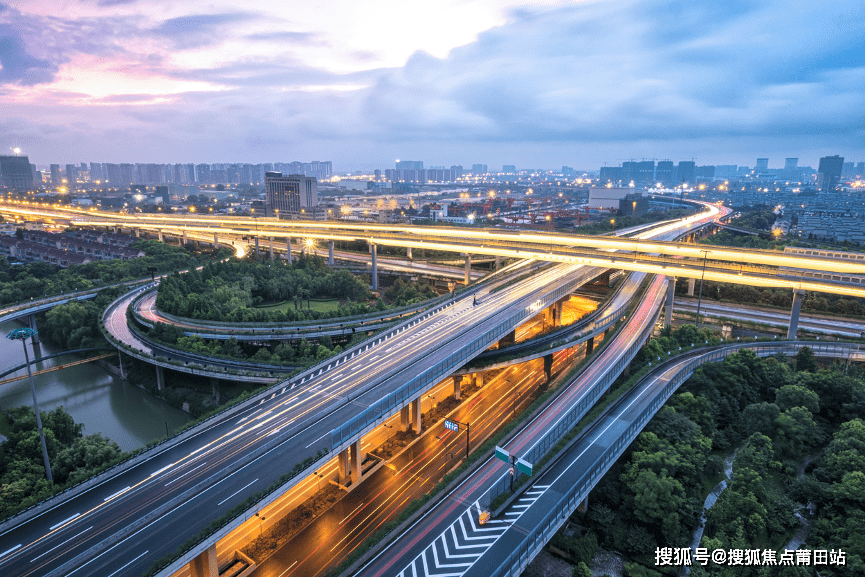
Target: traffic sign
{"type": "Point", "coordinates": [502, 454]}
{"type": "Point", "coordinates": [524, 467]}
{"type": "Point", "coordinates": [511, 471]}
{"type": "Point", "coordinates": [451, 425]}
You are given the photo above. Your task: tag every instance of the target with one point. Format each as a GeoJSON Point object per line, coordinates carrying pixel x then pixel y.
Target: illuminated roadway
{"type": "Point", "coordinates": [144, 512]}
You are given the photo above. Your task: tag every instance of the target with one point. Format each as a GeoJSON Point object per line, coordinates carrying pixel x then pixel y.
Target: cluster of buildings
{"type": "Point", "coordinates": [18, 173]}
{"type": "Point", "coordinates": [65, 249]}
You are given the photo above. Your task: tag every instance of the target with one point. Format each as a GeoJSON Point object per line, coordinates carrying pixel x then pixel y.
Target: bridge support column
{"type": "Point", "coordinates": [405, 418]}
{"type": "Point", "coordinates": [669, 301]}
{"type": "Point", "coordinates": [216, 241]}
{"type": "Point", "coordinates": [331, 252]}
{"type": "Point", "coordinates": [32, 320]}
{"type": "Point", "coordinates": [415, 408]}
{"type": "Point", "coordinates": [508, 339]}
{"type": "Point", "coordinates": [184, 239]}
{"type": "Point", "coordinates": [795, 313]}
{"type": "Point", "coordinates": [215, 390]}
{"type": "Point", "coordinates": [344, 472]}
{"type": "Point", "coordinates": [138, 233]}
{"type": "Point", "coordinates": [497, 262]}
{"type": "Point", "coordinates": [375, 274]}
{"type": "Point", "coordinates": [548, 365]}
{"type": "Point", "coordinates": [205, 565]}
{"type": "Point", "coordinates": [589, 345]}
{"type": "Point", "coordinates": [409, 252]}
{"type": "Point", "coordinates": [289, 250]}
{"type": "Point", "coordinates": [257, 247]}
{"type": "Point", "coordinates": [160, 378]}
{"type": "Point", "coordinates": [356, 460]}
{"type": "Point", "coordinates": [271, 246]}
{"type": "Point", "coordinates": [457, 380]}
{"type": "Point", "coordinates": [583, 505]}
{"type": "Point", "coordinates": [120, 363]}
{"type": "Point", "coordinates": [467, 269]}
{"type": "Point", "coordinates": [479, 378]}
{"type": "Point", "coordinates": [557, 313]}
{"type": "Point", "coordinates": [160, 235]}
{"type": "Point", "coordinates": [691, 292]}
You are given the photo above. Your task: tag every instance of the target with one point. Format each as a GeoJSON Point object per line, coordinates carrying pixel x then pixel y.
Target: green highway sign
{"type": "Point", "coordinates": [524, 467]}
{"type": "Point", "coordinates": [502, 454]}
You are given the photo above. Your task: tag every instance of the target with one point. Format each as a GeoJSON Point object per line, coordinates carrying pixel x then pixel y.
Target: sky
{"type": "Point", "coordinates": [534, 84]}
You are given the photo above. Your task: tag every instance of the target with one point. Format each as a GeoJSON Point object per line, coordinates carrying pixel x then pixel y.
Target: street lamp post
{"type": "Point", "coordinates": [20, 335]}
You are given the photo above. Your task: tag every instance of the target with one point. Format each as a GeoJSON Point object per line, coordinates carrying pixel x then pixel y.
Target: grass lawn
{"type": "Point", "coordinates": [321, 305]}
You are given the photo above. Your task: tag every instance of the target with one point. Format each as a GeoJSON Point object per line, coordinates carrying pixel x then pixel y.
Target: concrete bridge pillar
{"type": "Point", "coordinates": [795, 313]}
{"type": "Point", "coordinates": [289, 250]}
{"type": "Point", "coordinates": [557, 312]}
{"type": "Point", "coordinates": [467, 269]}
{"type": "Point", "coordinates": [691, 292]}
{"type": "Point", "coordinates": [120, 363]}
{"type": "Point", "coordinates": [216, 241]}
{"type": "Point", "coordinates": [405, 418]}
{"type": "Point", "coordinates": [138, 233]}
{"type": "Point", "coordinates": [35, 337]}
{"type": "Point", "coordinates": [356, 459]}
{"type": "Point", "coordinates": [183, 243]}
{"type": "Point", "coordinates": [331, 252]}
{"type": "Point", "coordinates": [116, 230]}
{"type": "Point", "coordinates": [160, 378]}
{"type": "Point", "coordinates": [548, 365]}
{"type": "Point", "coordinates": [409, 252]}
{"type": "Point", "coordinates": [160, 236]}
{"type": "Point", "coordinates": [497, 262]}
{"type": "Point", "coordinates": [205, 565]}
{"type": "Point", "coordinates": [508, 339]}
{"type": "Point", "coordinates": [479, 378]}
{"type": "Point", "coordinates": [215, 390]}
{"type": "Point", "coordinates": [583, 505]}
{"type": "Point", "coordinates": [457, 380]}
{"type": "Point", "coordinates": [344, 472]}
{"type": "Point", "coordinates": [669, 301]}
{"type": "Point", "coordinates": [415, 408]}
{"type": "Point", "coordinates": [375, 274]}
{"type": "Point", "coordinates": [589, 345]}
{"type": "Point", "coordinates": [271, 246]}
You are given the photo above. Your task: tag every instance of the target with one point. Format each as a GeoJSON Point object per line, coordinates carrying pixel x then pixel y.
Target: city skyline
{"type": "Point", "coordinates": [580, 84]}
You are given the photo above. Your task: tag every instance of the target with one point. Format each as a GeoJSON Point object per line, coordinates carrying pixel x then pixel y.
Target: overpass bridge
{"type": "Point", "coordinates": [92, 533]}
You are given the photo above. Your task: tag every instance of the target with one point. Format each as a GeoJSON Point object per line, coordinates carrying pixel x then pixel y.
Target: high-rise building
{"type": "Point", "coordinates": [665, 172]}
{"type": "Point", "coordinates": [70, 175]}
{"type": "Point", "coordinates": [686, 172]}
{"type": "Point", "coordinates": [509, 169]}
{"type": "Point", "coordinates": [858, 171]}
{"type": "Point", "coordinates": [202, 173]}
{"type": "Point", "coordinates": [568, 172]}
{"type": "Point", "coordinates": [762, 165]}
{"type": "Point", "coordinates": [15, 172]}
{"type": "Point", "coordinates": [457, 169]}
{"type": "Point", "coordinates": [410, 165]}
{"type": "Point", "coordinates": [292, 196]}
{"type": "Point", "coordinates": [791, 163]}
{"type": "Point", "coordinates": [55, 175]}
{"type": "Point", "coordinates": [829, 172]}
{"type": "Point", "coordinates": [705, 172]}
{"type": "Point", "coordinates": [847, 169]}
{"type": "Point", "coordinates": [479, 169]}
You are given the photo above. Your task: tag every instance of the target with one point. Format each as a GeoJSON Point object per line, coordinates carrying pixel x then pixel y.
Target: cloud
{"type": "Point", "coordinates": [199, 29]}
{"type": "Point", "coordinates": [17, 65]}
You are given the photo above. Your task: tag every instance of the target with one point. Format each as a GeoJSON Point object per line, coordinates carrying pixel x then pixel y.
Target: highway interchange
{"type": "Point", "coordinates": [206, 474]}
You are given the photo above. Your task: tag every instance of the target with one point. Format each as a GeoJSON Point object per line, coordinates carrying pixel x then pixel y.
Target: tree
{"type": "Point", "coordinates": [581, 570]}
{"type": "Point", "coordinates": [806, 360]}
{"type": "Point", "coordinates": [791, 396]}
{"type": "Point", "coordinates": [796, 431]}
{"type": "Point", "coordinates": [759, 418]}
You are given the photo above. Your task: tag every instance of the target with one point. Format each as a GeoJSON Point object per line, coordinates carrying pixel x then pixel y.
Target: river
{"type": "Point", "coordinates": [93, 396]}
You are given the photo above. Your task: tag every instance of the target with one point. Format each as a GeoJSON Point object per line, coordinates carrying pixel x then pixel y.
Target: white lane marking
{"type": "Point", "coordinates": [236, 492]}
{"type": "Point", "coordinates": [128, 564]}
{"type": "Point", "coordinates": [60, 545]}
{"type": "Point", "coordinates": [161, 470]}
{"type": "Point", "coordinates": [185, 474]}
{"type": "Point", "coordinates": [350, 514]}
{"type": "Point", "coordinates": [244, 419]}
{"type": "Point", "coordinates": [373, 358]}
{"type": "Point", "coordinates": [317, 440]}
{"type": "Point", "coordinates": [287, 569]}
{"type": "Point", "coordinates": [110, 497]}
{"type": "Point", "coordinates": [65, 522]}
{"type": "Point", "coordinates": [4, 553]}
